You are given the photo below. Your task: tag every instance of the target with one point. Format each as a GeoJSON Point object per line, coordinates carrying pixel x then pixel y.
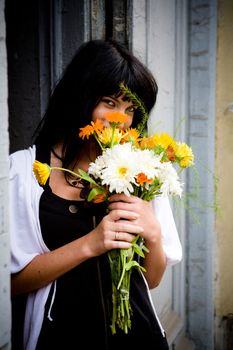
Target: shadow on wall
{"type": "Point", "coordinates": [224, 338]}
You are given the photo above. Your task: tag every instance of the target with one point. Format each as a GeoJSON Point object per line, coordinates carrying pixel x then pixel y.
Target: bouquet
{"type": "Point", "coordinates": [136, 164]}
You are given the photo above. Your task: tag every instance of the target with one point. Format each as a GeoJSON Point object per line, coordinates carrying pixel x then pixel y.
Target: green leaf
{"type": "Point", "coordinates": [142, 268]}
{"type": "Point", "coordinates": [86, 177]}
{"type": "Point", "coordinates": [138, 250]}
{"type": "Point", "coordinates": [135, 239]}
{"type": "Point", "coordinates": [145, 248]}
{"type": "Point", "coordinates": [124, 252]}
{"type": "Point", "coordinates": [94, 192]}
{"type": "Point", "coordinates": [133, 263]}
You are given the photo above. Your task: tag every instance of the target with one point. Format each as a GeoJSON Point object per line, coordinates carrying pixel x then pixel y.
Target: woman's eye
{"type": "Point", "coordinates": [109, 102]}
{"type": "Point", "coordinates": [131, 109]}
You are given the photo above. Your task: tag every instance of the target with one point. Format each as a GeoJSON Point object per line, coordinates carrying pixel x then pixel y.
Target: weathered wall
{"type": "Point", "coordinates": [224, 171]}
{"type": "Point", "coordinates": [200, 235]}
{"type": "Point", "coordinates": [5, 322]}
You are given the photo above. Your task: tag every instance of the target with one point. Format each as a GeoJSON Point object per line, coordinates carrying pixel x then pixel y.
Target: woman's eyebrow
{"type": "Point", "coordinates": [124, 98]}
{"type": "Point", "coordinates": [110, 96]}
{"type": "Point", "coordinates": [113, 97]}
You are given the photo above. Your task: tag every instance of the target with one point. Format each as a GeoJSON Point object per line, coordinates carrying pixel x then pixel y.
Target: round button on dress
{"type": "Point", "coordinates": [73, 209]}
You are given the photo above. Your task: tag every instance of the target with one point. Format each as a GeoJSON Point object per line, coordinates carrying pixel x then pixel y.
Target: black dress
{"type": "Point", "coordinates": [79, 316]}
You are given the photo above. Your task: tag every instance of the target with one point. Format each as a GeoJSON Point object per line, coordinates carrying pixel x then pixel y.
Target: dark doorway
{"type": "Point", "coordinates": [41, 38]}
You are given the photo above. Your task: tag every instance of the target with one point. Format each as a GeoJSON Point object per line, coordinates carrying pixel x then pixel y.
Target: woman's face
{"type": "Point", "coordinates": [112, 103]}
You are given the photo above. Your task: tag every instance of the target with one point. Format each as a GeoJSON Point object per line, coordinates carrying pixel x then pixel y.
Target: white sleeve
{"type": "Point", "coordinates": [24, 194]}
{"type": "Point", "coordinates": [170, 238]}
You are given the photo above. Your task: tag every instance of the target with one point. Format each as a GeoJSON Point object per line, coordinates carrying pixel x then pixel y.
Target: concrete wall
{"type": "Point", "coordinates": [224, 172]}
{"type": "Point", "coordinates": [5, 321]}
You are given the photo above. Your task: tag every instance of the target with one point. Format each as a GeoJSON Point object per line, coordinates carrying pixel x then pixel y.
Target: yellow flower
{"type": "Point", "coordinates": [184, 154]}
{"type": "Point", "coordinates": [41, 171]}
{"type": "Point", "coordinates": [105, 136]}
{"type": "Point", "coordinates": [162, 143]}
{"type": "Point", "coordinates": [164, 140]}
{"type": "Point", "coordinates": [116, 117]}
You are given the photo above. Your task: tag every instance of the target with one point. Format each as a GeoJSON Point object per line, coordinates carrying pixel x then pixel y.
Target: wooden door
{"type": "Point", "coordinates": [159, 30]}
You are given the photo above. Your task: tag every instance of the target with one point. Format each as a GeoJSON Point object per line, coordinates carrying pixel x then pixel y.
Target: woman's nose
{"type": "Point", "coordinates": [106, 123]}
{"type": "Point", "coordinates": [121, 126]}
{"type": "Point", "coordinates": [121, 110]}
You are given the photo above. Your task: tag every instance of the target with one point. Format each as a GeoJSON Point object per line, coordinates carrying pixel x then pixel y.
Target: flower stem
{"type": "Point", "coordinates": [67, 170]}
{"type": "Point", "coordinates": [123, 271]}
{"type": "Point", "coordinates": [98, 141]}
{"type": "Point", "coordinates": [113, 132]}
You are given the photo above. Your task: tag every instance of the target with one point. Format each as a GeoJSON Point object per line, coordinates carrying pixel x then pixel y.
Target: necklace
{"type": "Point", "coordinates": [75, 181]}
{"type": "Point", "coordinates": [79, 184]}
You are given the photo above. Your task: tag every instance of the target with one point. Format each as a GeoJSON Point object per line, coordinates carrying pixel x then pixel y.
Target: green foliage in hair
{"type": "Point", "coordinates": [142, 126]}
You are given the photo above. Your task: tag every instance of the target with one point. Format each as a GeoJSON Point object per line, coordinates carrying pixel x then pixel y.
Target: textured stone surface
{"type": "Point", "coordinates": [5, 311]}
{"type": "Point", "coordinates": [200, 269]}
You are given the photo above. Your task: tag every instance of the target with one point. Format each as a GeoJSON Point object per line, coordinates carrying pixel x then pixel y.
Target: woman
{"type": "Point", "coordinates": [59, 243]}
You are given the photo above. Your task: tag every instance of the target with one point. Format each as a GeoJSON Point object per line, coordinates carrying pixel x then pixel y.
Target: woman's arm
{"type": "Point", "coordinates": [47, 267]}
{"type": "Point", "coordinates": [155, 263]}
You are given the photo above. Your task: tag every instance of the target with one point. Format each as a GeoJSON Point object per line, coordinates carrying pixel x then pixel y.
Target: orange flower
{"type": "Point", "coordinates": [116, 117]}
{"type": "Point", "coordinates": [142, 179]}
{"type": "Point", "coordinates": [99, 198]}
{"type": "Point", "coordinates": [90, 129]}
{"type": "Point", "coordinates": [86, 131]}
{"type": "Point", "coordinates": [131, 135]}
{"type": "Point", "coordinates": [171, 154]}
{"type": "Point", "coordinates": [97, 125]}
{"type": "Point", "coordinates": [148, 142]}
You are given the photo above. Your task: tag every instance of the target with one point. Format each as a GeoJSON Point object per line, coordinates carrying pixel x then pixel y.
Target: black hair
{"type": "Point", "coordinates": [96, 70]}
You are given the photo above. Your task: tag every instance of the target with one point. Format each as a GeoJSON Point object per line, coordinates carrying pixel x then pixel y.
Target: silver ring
{"type": "Point", "coordinates": [116, 236]}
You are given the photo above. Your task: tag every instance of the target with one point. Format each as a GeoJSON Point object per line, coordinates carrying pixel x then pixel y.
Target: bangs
{"type": "Point", "coordinates": [144, 86]}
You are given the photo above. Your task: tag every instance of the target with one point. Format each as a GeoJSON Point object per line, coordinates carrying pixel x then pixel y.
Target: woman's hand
{"type": "Point", "coordinates": [145, 216]}
{"type": "Point", "coordinates": [155, 261]}
{"type": "Point", "coordinates": [115, 231]}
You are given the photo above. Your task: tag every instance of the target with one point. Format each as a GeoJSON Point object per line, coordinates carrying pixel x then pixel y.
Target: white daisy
{"type": "Point", "coordinates": [117, 168]}
{"type": "Point", "coordinates": [96, 167]}
{"type": "Point", "coordinates": [171, 184]}
{"type": "Point", "coordinates": [148, 163]}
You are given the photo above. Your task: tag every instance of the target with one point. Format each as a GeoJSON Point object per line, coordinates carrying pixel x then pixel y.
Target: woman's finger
{"type": "Point", "coordinates": [121, 197]}
{"type": "Point", "coordinates": [123, 236]}
{"type": "Point", "coordinates": [128, 227]}
{"type": "Point", "coordinates": [118, 214]}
